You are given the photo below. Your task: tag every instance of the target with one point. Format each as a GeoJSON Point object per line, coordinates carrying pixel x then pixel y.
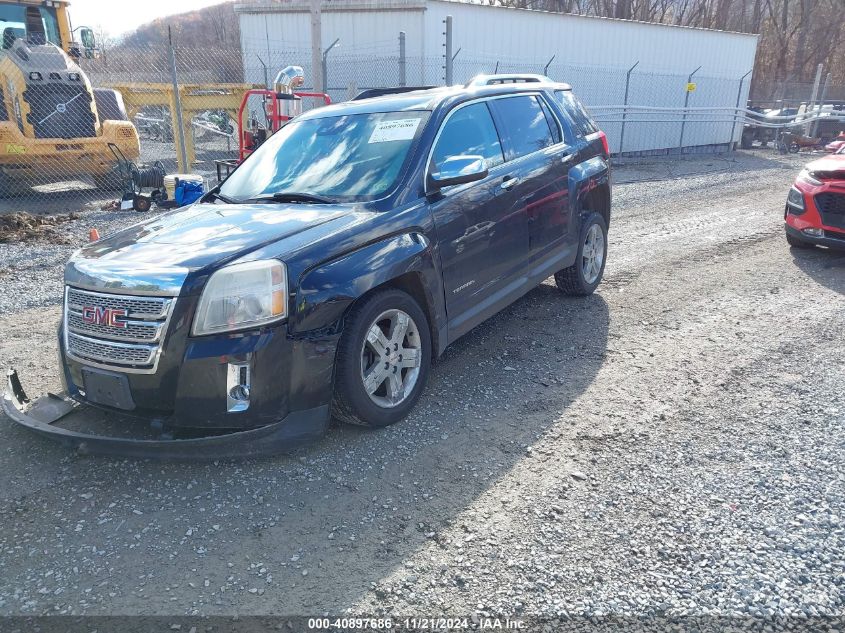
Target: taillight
{"type": "Point", "coordinates": [604, 144]}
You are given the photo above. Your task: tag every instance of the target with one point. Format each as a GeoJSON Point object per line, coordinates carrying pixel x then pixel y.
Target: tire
{"type": "Point", "coordinates": [356, 357]}
{"type": "Point", "coordinates": [746, 141]}
{"type": "Point", "coordinates": [142, 204]}
{"type": "Point", "coordinates": [575, 280]}
{"type": "Point", "coordinates": [794, 242]}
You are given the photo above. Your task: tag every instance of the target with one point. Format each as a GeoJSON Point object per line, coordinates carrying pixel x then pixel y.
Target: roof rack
{"type": "Point", "coordinates": [380, 92]}
{"type": "Point", "coordinates": [517, 78]}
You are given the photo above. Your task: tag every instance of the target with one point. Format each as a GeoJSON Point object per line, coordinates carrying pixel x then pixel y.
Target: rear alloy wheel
{"type": "Point", "coordinates": [382, 360]}
{"type": "Point", "coordinates": [584, 276]}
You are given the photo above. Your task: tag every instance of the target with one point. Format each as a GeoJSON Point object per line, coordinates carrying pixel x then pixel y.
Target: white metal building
{"type": "Point", "coordinates": [592, 54]}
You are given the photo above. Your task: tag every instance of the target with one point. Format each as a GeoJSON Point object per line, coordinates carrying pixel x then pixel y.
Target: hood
{"type": "Point", "coordinates": [829, 164]}
{"type": "Point", "coordinates": [157, 255]}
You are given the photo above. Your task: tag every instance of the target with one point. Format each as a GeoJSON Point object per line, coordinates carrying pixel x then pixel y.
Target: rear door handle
{"type": "Point", "coordinates": [567, 158]}
{"type": "Point", "coordinates": [510, 182]}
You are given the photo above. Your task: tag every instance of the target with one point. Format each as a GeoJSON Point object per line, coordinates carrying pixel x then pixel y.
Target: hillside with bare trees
{"type": "Point", "coordinates": [215, 25]}
{"type": "Point", "coordinates": [795, 35]}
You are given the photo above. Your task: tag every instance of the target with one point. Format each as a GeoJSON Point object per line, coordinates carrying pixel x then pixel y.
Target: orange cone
{"type": "Point", "coordinates": [93, 235]}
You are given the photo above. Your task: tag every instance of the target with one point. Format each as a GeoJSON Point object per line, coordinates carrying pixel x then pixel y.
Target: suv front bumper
{"type": "Point", "coordinates": [44, 415]}
{"type": "Point", "coordinates": [191, 387]}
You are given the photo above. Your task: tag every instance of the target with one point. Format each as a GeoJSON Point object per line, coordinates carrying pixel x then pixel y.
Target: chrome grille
{"type": "Point", "coordinates": [134, 348]}
{"type": "Point", "coordinates": [135, 331]}
{"type": "Point", "coordinates": [110, 351]}
{"type": "Point", "coordinates": [147, 308]}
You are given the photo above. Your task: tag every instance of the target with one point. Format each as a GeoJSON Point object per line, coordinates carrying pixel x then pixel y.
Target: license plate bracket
{"type": "Point", "coordinates": [107, 388]}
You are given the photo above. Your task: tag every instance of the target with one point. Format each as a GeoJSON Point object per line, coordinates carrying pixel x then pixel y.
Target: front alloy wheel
{"type": "Point", "coordinates": [383, 359]}
{"type": "Point", "coordinates": [390, 358]}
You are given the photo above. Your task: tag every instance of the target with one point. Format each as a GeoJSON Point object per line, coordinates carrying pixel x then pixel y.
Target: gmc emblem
{"type": "Point", "coordinates": [113, 317]}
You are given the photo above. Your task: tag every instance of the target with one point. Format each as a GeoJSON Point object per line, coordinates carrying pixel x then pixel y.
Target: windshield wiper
{"type": "Point", "coordinates": [222, 198]}
{"type": "Point", "coordinates": [215, 194]}
{"type": "Point", "coordinates": [291, 196]}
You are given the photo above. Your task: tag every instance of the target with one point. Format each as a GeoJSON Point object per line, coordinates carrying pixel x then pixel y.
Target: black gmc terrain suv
{"type": "Point", "coordinates": [327, 271]}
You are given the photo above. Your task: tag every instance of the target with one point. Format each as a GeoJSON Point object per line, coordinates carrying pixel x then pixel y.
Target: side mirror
{"type": "Point", "coordinates": [86, 36]}
{"type": "Point", "coordinates": [458, 170]}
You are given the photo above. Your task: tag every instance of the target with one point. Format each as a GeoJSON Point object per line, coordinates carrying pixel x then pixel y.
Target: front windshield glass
{"type": "Point", "coordinates": [353, 157]}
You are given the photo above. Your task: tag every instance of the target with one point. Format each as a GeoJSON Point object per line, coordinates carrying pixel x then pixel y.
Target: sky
{"type": "Point", "coordinates": [120, 16]}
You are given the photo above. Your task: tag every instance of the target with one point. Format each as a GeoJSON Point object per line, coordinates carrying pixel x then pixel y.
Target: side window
{"type": "Point", "coordinates": [525, 124]}
{"type": "Point", "coordinates": [550, 119]}
{"type": "Point", "coordinates": [584, 124]}
{"type": "Point", "coordinates": [470, 130]}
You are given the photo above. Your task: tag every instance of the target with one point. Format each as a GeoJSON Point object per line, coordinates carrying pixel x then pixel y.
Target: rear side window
{"type": "Point", "coordinates": [470, 130]}
{"type": "Point", "coordinates": [553, 125]}
{"type": "Point", "coordinates": [582, 120]}
{"type": "Point", "coordinates": [525, 124]}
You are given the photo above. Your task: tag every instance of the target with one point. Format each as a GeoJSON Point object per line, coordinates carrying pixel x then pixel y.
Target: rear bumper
{"type": "Point", "coordinates": [45, 415]}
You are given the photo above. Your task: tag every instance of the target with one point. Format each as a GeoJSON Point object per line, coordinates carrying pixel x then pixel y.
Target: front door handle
{"type": "Point", "coordinates": [567, 158]}
{"type": "Point", "coordinates": [510, 182]}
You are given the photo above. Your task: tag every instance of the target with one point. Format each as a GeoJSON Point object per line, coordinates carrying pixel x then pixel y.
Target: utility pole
{"type": "Point", "coordinates": [448, 57]}
{"type": "Point", "coordinates": [317, 45]}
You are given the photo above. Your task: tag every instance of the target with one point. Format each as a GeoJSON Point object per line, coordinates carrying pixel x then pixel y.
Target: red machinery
{"type": "Point", "coordinates": [279, 108]}
{"type": "Point", "coordinates": [280, 105]}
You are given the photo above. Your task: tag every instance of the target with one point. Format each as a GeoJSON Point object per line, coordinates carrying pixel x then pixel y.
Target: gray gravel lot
{"type": "Point", "coordinates": [671, 445]}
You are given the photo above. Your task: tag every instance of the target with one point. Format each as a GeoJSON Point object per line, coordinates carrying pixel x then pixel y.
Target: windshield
{"type": "Point", "coordinates": [354, 157]}
{"type": "Point", "coordinates": [38, 25]}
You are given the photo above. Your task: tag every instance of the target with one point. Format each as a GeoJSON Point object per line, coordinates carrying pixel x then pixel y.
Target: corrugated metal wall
{"type": "Point", "coordinates": [592, 54]}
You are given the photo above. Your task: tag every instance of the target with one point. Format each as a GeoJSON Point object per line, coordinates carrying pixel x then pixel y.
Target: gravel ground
{"type": "Point", "coordinates": [672, 445]}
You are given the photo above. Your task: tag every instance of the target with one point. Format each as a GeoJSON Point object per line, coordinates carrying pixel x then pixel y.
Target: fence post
{"type": "Point", "coordinates": [448, 54]}
{"type": "Point", "coordinates": [264, 66]}
{"type": "Point", "coordinates": [816, 83]}
{"type": "Point", "coordinates": [822, 97]}
{"type": "Point", "coordinates": [625, 106]}
{"type": "Point", "coordinates": [325, 64]}
{"type": "Point", "coordinates": [686, 103]}
{"type": "Point", "coordinates": [176, 107]}
{"type": "Point", "coordinates": [732, 143]}
{"type": "Point", "coordinates": [402, 60]}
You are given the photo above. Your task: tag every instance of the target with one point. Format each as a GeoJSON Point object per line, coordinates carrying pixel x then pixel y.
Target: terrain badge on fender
{"type": "Point", "coordinates": [463, 286]}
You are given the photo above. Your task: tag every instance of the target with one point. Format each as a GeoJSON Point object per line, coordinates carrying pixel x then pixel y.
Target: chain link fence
{"type": "Point", "coordinates": [68, 141]}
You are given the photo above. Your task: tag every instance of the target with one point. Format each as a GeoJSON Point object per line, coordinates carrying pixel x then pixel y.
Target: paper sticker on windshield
{"type": "Point", "coordinates": [394, 130]}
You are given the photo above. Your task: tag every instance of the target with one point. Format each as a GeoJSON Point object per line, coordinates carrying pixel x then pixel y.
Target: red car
{"type": "Point", "coordinates": [836, 144]}
{"type": "Point", "coordinates": [815, 206]}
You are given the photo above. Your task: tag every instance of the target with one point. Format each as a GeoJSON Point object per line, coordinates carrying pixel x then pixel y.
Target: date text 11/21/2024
{"type": "Point", "coordinates": [416, 624]}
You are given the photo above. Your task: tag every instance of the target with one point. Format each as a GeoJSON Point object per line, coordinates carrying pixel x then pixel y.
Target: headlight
{"type": "Point", "coordinates": [807, 176]}
{"type": "Point", "coordinates": [795, 199]}
{"type": "Point", "coordinates": [242, 296]}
